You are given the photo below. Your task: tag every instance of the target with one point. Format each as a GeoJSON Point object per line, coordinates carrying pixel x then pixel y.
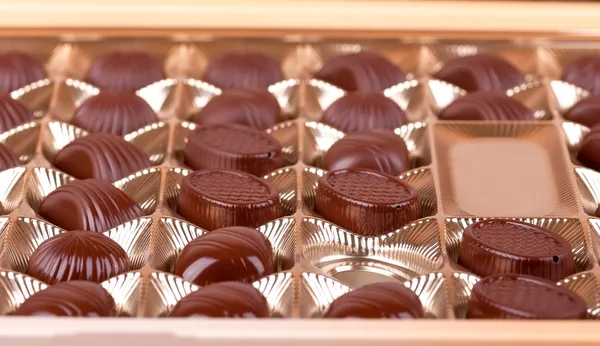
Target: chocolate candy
{"type": "Point", "coordinates": [2, 210]}
{"type": "Point", "coordinates": [223, 300]}
{"type": "Point", "coordinates": [589, 153]}
{"type": "Point", "coordinates": [481, 72]}
{"type": "Point", "coordinates": [243, 69]}
{"type": "Point", "coordinates": [124, 71]}
{"type": "Point", "coordinates": [363, 71]}
{"type": "Point", "coordinates": [117, 113]}
{"type": "Point", "coordinates": [18, 70]}
{"type": "Point", "coordinates": [101, 156]}
{"type": "Point", "coordinates": [220, 198]}
{"type": "Point", "coordinates": [232, 146]}
{"type": "Point", "coordinates": [8, 159]}
{"type": "Point", "coordinates": [379, 150]}
{"type": "Point", "coordinates": [499, 246]}
{"type": "Point", "coordinates": [226, 254]}
{"type": "Point", "coordinates": [78, 255]}
{"type": "Point", "coordinates": [13, 113]}
{"type": "Point", "coordinates": [380, 300]}
{"type": "Point", "coordinates": [509, 296]}
{"type": "Point", "coordinates": [597, 214]}
{"type": "Point", "coordinates": [366, 202]}
{"type": "Point", "coordinates": [89, 205]}
{"type": "Point", "coordinates": [485, 105]}
{"type": "Point", "coordinates": [585, 112]}
{"type": "Point", "coordinates": [253, 107]}
{"type": "Point", "coordinates": [584, 73]}
{"type": "Point", "coordinates": [70, 299]}
{"type": "Point", "coordinates": [359, 111]}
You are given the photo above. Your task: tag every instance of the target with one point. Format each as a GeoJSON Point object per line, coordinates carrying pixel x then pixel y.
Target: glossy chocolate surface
{"type": "Point", "coordinates": [223, 300]}
{"type": "Point", "coordinates": [523, 297]}
{"type": "Point", "coordinates": [78, 255]}
{"type": "Point", "coordinates": [70, 299]}
{"type": "Point", "coordinates": [18, 69]}
{"type": "Point", "coordinates": [226, 254]}
{"type": "Point", "coordinates": [499, 246]}
{"type": "Point", "coordinates": [585, 112]}
{"type": "Point", "coordinates": [584, 72]}
{"type": "Point", "coordinates": [366, 202]}
{"type": "Point", "coordinates": [485, 105]}
{"type": "Point", "coordinates": [101, 156]}
{"type": "Point", "coordinates": [243, 69]}
{"type": "Point", "coordinates": [589, 153]}
{"type": "Point", "coordinates": [124, 71]}
{"type": "Point", "coordinates": [13, 113]}
{"type": "Point", "coordinates": [8, 159]}
{"type": "Point", "coordinates": [2, 210]}
{"type": "Point", "coordinates": [89, 205]}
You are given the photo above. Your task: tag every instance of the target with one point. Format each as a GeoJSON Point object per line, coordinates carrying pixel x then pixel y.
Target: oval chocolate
{"type": "Point", "coordinates": [485, 105]}
{"type": "Point", "coordinates": [589, 152]}
{"type": "Point", "coordinates": [8, 159]}
{"type": "Point", "coordinates": [584, 72]}
{"type": "Point", "coordinates": [13, 113]}
{"type": "Point", "coordinates": [124, 71]}
{"type": "Point", "coordinates": [585, 112]}
{"type": "Point", "coordinates": [19, 69]}
{"type": "Point", "coordinates": [243, 69]}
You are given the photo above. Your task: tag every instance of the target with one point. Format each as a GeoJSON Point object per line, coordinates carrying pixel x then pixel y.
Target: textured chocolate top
{"type": "Point", "coordinates": [2, 210]}
{"type": "Point", "coordinates": [124, 71]}
{"type": "Point", "coordinates": [18, 69]}
{"type": "Point", "coordinates": [223, 300]}
{"type": "Point", "coordinates": [485, 105]}
{"type": "Point", "coordinates": [13, 113]}
{"type": "Point", "coordinates": [226, 254]}
{"type": "Point", "coordinates": [584, 73]}
{"type": "Point", "coordinates": [101, 156]}
{"type": "Point", "coordinates": [362, 71]}
{"type": "Point", "coordinates": [243, 69]}
{"type": "Point", "coordinates": [589, 153]}
{"type": "Point", "coordinates": [78, 255]}
{"type": "Point", "coordinates": [585, 112]}
{"type": "Point", "coordinates": [8, 159]}
{"type": "Point", "coordinates": [70, 299]}
{"type": "Point", "coordinates": [90, 205]}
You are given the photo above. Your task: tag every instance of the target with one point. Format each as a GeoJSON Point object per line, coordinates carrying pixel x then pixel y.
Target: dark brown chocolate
{"type": "Point", "coordinates": [585, 112]}
{"type": "Point", "coordinates": [379, 150]}
{"type": "Point", "coordinates": [358, 111]}
{"type": "Point", "coordinates": [2, 210]}
{"type": "Point", "coordinates": [509, 296]}
{"type": "Point", "coordinates": [597, 214]}
{"type": "Point", "coordinates": [111, 112]}
{"type": "Point", "coordinates": [481, 72]}
{"type": "Point", "coordinates": [223, 300]}
{"type": "Point", "coordinates": [90, 205]}
{"type": "Point", "coordinates": [13, 113]}
{"type": "Point", "coordinates": [363, 71]}
{"type": "Point", "coordinates": [486, 105]}
{"type": "Point", "coordinates": [78, 255]}
{"type": "Point", "coordinates": [253, 107]}
{"type": "Point", "coordinates": [8, 159]}
{"type": "Point", "coordinates": [584, 72]}
{"type": "Point", "coordinates": [380, 300]}
{"type": "Point", "coordinates": [18, 69]}
{"type": "Point", "coordinates": [243, 69]}
{"type": "Point", "coordinates": [232, 146]}
{"type": "Point", "coordinates": [226, 254]}
{"type": "Point", "coordinates": [366, 202]}
{"type": "Point", "coordinates": [499, 246]}
{"type": "Point", "coordinates": [124, 71]}
{"type": "Point", "coordinates": [221, 198]}
{"type": "Point", "coordinates": [101, 156]}
{"type": "Point", "coordinates": [589, 153]}
{"type": "Point", "coordinates": [70, 299]}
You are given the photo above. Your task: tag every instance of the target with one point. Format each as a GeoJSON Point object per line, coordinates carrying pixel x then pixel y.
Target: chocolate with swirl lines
{"type": "Point", "coordinates": [589, 153]}
{"type": "Point", "coordinates": [585, 112]}
{"type": "Point", "coordinates": [124, 71]}
{"type": "Point", "coordinates": [584, 72]}
{"type": "Point", "coordinates": [486, 106]}
{"type": "Point", "coordinates": [13, 113]}
{"type": "Point", "coordinates": [18, 69]}
{"type": "Point", "coordinates": [242, 69]}
{"type": "Point", "coordinates": [8, 159]}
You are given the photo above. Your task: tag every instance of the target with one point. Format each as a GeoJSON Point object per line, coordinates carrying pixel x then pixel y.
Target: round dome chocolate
{"type": "Point", "coordinates": [481, 72]}
{"type": "Point", "coordinates": [226, 254]}
{"type": "Point", "coordinates": [357, 111]}
{"type": "Point", "coordinates": [215, 199]}
{"type": "Point", "coordinates": [243, 69]}
{"type": "Point", "coordinates": [523, 297]}
{"type": "Point", "coordinates": [366, 202]}
{"type": "Point", "coordinates": [362, 71]}
{"type": "Point", "coordinates": [585, 112]}
{"type": "Point", "coordinates": [380, 300]}
{"type": "Point", "coordinates": [487, 106]}
{"type": "Point", "coordinates": [253, 151]}
{"type": "Point", "coordinates": [90, 205]}
{"type": "Point", "coordinates": [113, 112]}
{"type": "Point", "coordinates": [589, 153]}
{"type": "Point", "coordinates": [379, 150]}
{"type": "Point", "coordinates": [78, 255]}
{"type": "Point", "coordinates": [223, 300]}
{"type": "Point", "coordinates": [18, 69]}
{"type": "Point", "coordinates": [101, 156]}
{"type": "Point", "coordinates": [499, 246]}
{"type": "Point", "coordinates": [13, 113]}
{"type": "Point", "coordinates": [124, 71]}
{"type": "Point", "coordinates": [69, 299]}
{"type": "Point", "coordinates": [584, 72]}
{"type": "Point", "coordinates": [253, 107]}
{"type": "Point", "coordinates": [8, 159]}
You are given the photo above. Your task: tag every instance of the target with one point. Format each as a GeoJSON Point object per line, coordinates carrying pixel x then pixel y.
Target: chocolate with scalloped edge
{"type": "Point", "coordinates": [18, 69]}
{"type": "Point", "coordinates": [124, 71]}
{"type": "Point", "coordinates": [243, 69]}
{"type": "Point", "coordinates": [584, 72]}
{"type": "Point", "coordinates": [13, 113]}
{"type": "Point", "coordinates": [487, 106]}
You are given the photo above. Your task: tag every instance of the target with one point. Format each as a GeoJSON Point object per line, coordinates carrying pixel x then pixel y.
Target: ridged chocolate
{"type": "Point", "coordinates": [380, 300]}
{"type": "Point", "coordinates": [8, 159]}
{"type": "Point", "coordinates": [243, 69]}
{"type": "Point", "coordinates": [90, 205]}
{"type": "Point", "coordinates": [215, 199]}
{"type": "Point", "coordinates": [481, 72]}
{"type": "Point", "coordinates": [70, 299]}
{"type": "Point", "coordinates": [226, 254]}
{"type": "Point", "coordinates": [232, 146]}
{"type": "Point", "coordinates": [486, 105]}
{"type": "Point", "coordinates": [223, 300]}
{"type": "Point", "coordinates": [124, 71]}
{"type": "Point", "coordinates": [18, 69]}
{"type": "Point", "coordinates": [523, 297]}
{"type": "Point", "coordinates": [117, 113]}
{"type": "Point", "coordinates": [585, 112]}
{"type": "Point", "coordinates": [363, 71]}
{"type": "Point", "coordinates": [379, 150]}
{"type": "Point", "coordinates": [13, 113]}
{"type": "Point", "coordinates": [78, 255]}
{"type": "Point", "coordinates": [499, 246]}
{"type": "Point", "coordinates": [589, 153]}
{"type": "Point", "coordinates": [366, 202]}
{"type": "Point", "coordinates": [584, 72]}
{"type": "Point", "coordinates": [2, 210]}
{"type": "Point", "coordinates": [253, 107]}
{"type": "Point", "coordinates": [101, 156]}
{"type": "Point", "coordinates": [359, 111]}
